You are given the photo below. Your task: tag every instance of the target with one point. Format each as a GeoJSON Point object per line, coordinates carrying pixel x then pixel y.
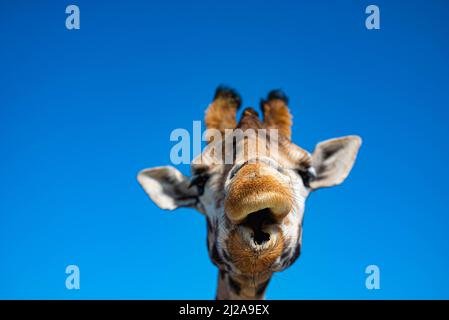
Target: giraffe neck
{"type": "Point", "coordinates": [240, 287]}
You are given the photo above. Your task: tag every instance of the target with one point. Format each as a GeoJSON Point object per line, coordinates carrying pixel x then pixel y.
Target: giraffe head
{"type": "Point", "coordinates": [251, 182]}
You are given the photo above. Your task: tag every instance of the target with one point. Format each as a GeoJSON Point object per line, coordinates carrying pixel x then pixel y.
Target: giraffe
{"type": "Point", "coordinates": [253, 202]}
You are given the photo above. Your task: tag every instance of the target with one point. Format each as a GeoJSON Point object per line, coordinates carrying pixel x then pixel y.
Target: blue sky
{"type": "Point", "coordinates": [81, 112]}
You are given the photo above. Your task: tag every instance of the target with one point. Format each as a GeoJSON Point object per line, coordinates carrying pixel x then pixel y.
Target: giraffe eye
{"type": "Point", "coordinates": [199, 181]}
{"type": "Point", "coordinates": [306, 175]}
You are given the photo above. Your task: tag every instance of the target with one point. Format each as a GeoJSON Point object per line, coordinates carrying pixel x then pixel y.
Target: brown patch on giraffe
{"type": "Point", "coordinates": [249, 261]}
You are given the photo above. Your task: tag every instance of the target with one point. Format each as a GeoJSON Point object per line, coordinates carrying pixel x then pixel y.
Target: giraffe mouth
{"type": "Point", "coordinates": [257, 189]}
{"type": "Point", "coordinates": [261, 225]}
{"type": "Point", "coordinates": [257, 201]}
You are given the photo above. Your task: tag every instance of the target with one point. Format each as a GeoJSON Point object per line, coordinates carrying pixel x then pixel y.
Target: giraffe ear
{"type": "Point", "coordinates": [333, 159]}
{"type": "Point", "coordinates": [168, 188]}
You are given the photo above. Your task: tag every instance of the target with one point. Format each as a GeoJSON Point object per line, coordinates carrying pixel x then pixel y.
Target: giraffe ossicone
{"type": "Point", "coordinates": [251, 188]}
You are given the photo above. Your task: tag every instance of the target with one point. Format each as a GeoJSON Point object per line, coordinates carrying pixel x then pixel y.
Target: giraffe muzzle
{"type": "Point", "coordinates": [257, 190]}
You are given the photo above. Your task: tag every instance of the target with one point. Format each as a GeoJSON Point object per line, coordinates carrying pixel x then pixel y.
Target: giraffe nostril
{"type": "Point", "coordinates": [236, 169]}
{"type": "Point", "coordinates": [256, 221]}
